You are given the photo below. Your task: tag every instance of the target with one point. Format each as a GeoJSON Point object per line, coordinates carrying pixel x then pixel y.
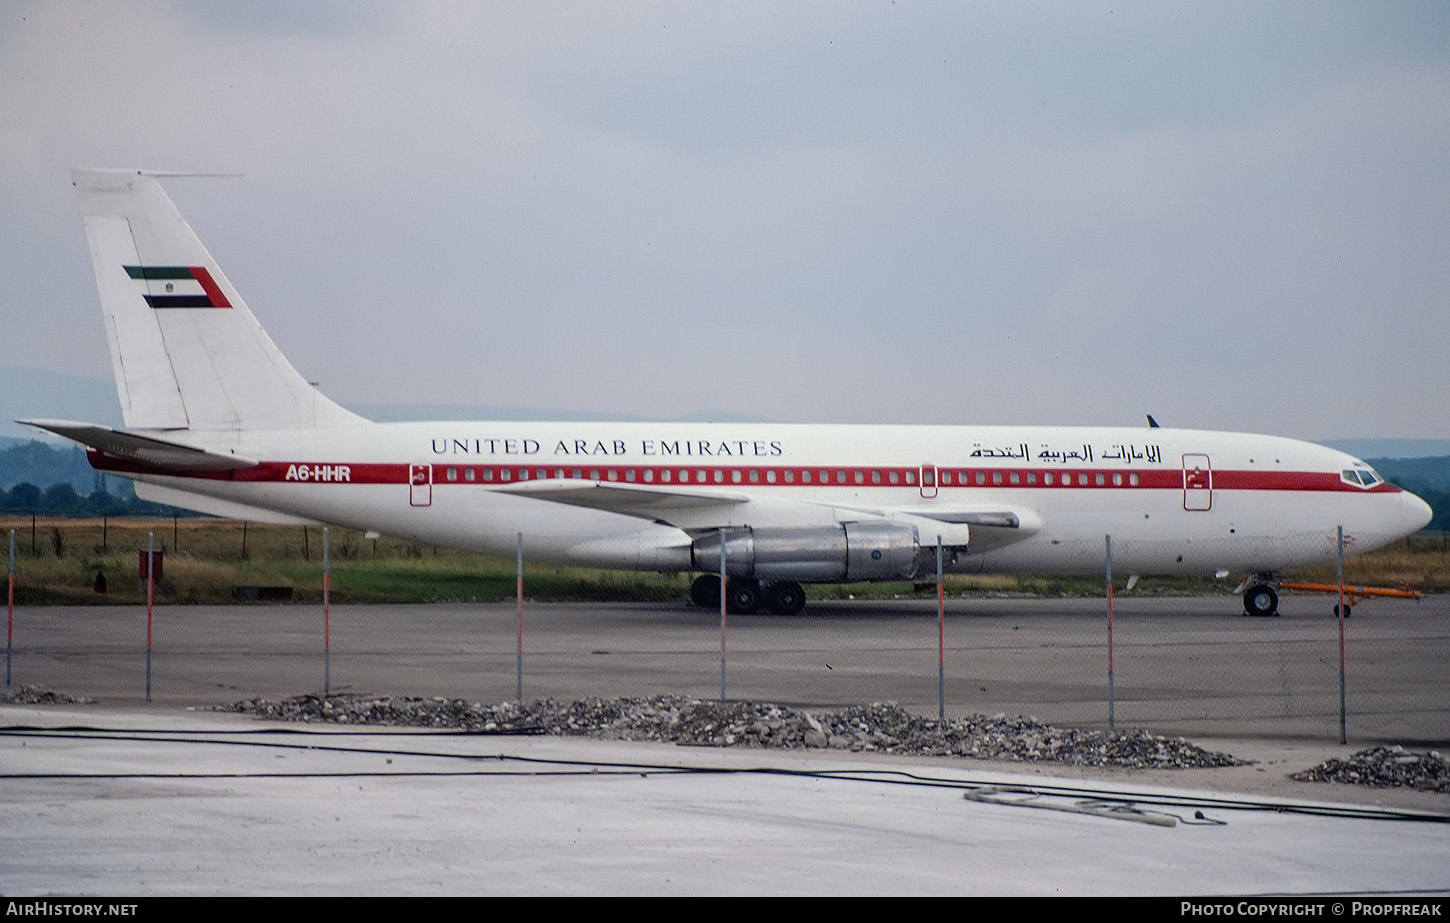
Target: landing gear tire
{"type": "Point", "coordinates": [1261, 600]}
{"type": "Point", "coordinates": [742, 595]}
{"type": "Point", "coordinates": [1348, 611]}
{"type": "Point", "coordinates": [705, 591]}
{"type": "Point", "coordinates": [785, 598]}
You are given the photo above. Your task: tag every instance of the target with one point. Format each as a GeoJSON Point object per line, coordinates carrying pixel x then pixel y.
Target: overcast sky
{"type": "Point", "coordinates": [1230, 215]}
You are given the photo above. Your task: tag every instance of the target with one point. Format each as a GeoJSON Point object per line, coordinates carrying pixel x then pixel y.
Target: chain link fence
{"type": "Point", "coordinates": [1183, 657]}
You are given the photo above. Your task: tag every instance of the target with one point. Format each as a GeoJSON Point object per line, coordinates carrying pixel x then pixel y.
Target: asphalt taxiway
{"type": "Point", "coordinates": [121, 797]}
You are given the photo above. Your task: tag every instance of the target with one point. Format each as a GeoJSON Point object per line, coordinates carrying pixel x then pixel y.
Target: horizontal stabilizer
{"type": "Point", "coordinates": [161, 453]}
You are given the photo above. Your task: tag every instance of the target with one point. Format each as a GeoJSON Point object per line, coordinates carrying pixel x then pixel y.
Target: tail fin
{"type": "Point", "coordinates": [186, 351]}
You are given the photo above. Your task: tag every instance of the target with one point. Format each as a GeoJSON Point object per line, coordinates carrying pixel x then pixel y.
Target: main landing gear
{"type": "Point", "coordinates": [746, 595]}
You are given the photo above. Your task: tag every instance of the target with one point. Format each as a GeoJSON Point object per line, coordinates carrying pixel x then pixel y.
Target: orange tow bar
{"type": "Point", "coordinates": [1353, 595]}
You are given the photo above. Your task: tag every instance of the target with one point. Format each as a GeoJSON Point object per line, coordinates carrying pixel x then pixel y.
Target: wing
{"type": "Point", "coordinates": [699, 511]}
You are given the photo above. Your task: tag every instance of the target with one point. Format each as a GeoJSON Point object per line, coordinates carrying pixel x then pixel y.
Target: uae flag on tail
{"type": "Point", "coordinates": [179, 287]}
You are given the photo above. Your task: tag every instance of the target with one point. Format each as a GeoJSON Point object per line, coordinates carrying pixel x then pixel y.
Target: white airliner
{"type": "Point", "coordinates": [217, 420]}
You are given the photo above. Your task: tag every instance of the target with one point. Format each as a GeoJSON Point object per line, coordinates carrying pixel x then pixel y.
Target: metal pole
{"type": "Point", "coordinates": [150, 602]}
{"type": "Point", "coordinates": [941, 639]}
{"type": "Point", "coordinates": [326, 614]}
{"type": "Point", "coordinates": [1112, 702]}
{"type": "Point", "coordinates": [1339, 579]}
{"type": "Point", "coordinates": [519, 668]}
{"type": "Point", "coordinates": [10, 611]}
{"type": "Point", "coordinates": [723, 598]}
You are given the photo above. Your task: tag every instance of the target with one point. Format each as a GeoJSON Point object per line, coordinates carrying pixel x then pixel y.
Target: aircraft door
{"type": "Point", "coordinates": [420, 485]}
{"type": "Point", "coordinates": [1197, 483]}
{"type": "Point", "coordinates": [927, 480]}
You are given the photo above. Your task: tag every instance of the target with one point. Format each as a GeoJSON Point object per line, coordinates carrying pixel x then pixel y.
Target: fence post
{"type": "Point", "coordinates": [10, 610]}
{"type": "Point", "coordinates": [150, 602]}
{"type": "Point", "coordinates": [1108, 556]}
{"type": "Point", "coordinates": [326, 613]}
{"type": "Point", "coordinates": [941, 638]}
{"type": "Point", "coordinates": [1339, 580]}
{"type": "Point", "coordinates": [723, 598]}
{"type": "Point", "coordinates": [519, 667]}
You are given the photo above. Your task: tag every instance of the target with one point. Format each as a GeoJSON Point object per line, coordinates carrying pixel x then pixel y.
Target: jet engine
{"type": "Point", "coordinates": [850, 552]}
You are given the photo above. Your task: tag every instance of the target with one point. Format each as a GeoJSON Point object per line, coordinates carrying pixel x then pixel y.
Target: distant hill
{"type": "Point", "coordinates": [34, 462]}
{"type": "Point", "coordinates": [1417, 474]}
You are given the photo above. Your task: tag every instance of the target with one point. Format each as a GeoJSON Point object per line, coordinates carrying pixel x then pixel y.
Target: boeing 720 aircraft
{"type": "Point", "coordinates": [217, 420]}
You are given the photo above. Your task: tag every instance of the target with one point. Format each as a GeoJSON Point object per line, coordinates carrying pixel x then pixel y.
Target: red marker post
{"type": "Point", "coordinates": [150, 602]}
{"type": "Point", "coordinates": [519, 668]}
{"type": "Point", "coordinates": [724, 596]}
{"type": "Point", "coordinates": [1108, 553]}
{"type": "Point", "coordinates": [10, 611]}
{"type": "Point", "coordinates": [326, 615]}
{"type": "Point", "coordinates": [1339, 579]}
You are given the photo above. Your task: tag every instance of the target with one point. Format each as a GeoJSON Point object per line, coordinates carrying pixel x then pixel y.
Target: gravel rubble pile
{"type": "Point", "coordinates": [881, 728]}
{"type": "Point", "coordinates": [1385, 767]}
{"type": "Point", "coordinates": [39, 695]}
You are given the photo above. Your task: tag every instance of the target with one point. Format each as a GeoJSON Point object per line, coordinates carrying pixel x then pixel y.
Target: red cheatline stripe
{"type": "Point", "coordinates": [689, 476]}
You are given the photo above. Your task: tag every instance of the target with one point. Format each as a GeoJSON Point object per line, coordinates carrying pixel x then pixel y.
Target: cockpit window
{"type": "Point", "coordinates": [1361, 477]}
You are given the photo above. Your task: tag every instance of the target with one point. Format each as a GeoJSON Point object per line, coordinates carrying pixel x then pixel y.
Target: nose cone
{"type": "Point", "coordinates": [1415, 514]}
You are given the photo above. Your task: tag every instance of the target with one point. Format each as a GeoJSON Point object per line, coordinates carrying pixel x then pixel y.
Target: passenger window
{"type": "Point", "coordinates": [452, 474]}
